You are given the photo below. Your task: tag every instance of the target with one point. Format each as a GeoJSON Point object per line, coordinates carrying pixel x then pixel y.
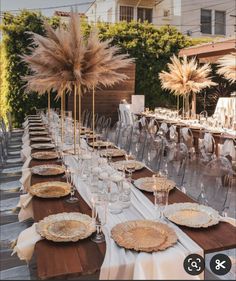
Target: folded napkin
{"type": "Point", "coordinates": [164, 127]}
{"type": "Point", "coordinates": [25, 153]}
{"type": "Point", "coordinates": [229, 220]}
{"type": "Point", "coordinates": [185, 134]}
{"type": "Point", "coordinates": [26, 242]}
{"type": "Point", "coordinates": [25, 179]}
{"type": "Point", "coordinates": [26, 211]}
{"type": "Point", "coordinates": [208, 142]}
{"type": "Point", "coordinates": [228, 148]}
{"type": "Point", "coordinates": [25, 123]}
{"type": "Point", "coordinates": [27, 162]}
{"type": "Point", "coordinates": [143, 121]}
{"type": "Point", "coordinates": [173, 133]}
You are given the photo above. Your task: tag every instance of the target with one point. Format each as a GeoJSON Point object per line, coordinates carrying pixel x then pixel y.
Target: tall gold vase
{"type": "Point", "coordinates": [93, 115]}
{"type": "Point", "coordinates": [49, 105]}
{"type": "Point", "coordinates": [62, 117]}
{"type": "Point", "coordinates": [75, 112]}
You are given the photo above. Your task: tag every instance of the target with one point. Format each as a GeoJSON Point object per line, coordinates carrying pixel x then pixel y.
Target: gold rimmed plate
{"type": "Point", "coordinates": [113, 152]}
{"type": "Point", "coordinates": [192, 215]}
{"type": "Point", "coordinates": [51, 189]}
{"type": "Point", "coordinates": [40, 133]}
{"type": "Point", "coordinates": [48, 170]}
{"type": "Point", "coordinates": [43, 146]}
{"type": "Point", "coordinates": [99, 143]}
{"type": "Point", "coordinates": [44, 155]}
{"type": "Point", "coordinates": [144, 235]}
{"type": "Point", "coordinates": [40, 139]}
{"type": "Point", "coordinates": [66, 227]}
{"type": "Point", "coordinates": [120, 165]}
{"type": "Point", "coordinates": [37, 128]}
{"type": "Point", "coordinates": [150, 184]}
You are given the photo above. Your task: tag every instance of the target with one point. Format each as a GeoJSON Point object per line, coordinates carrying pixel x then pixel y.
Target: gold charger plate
{"type": "Point", "coordinates": [101, 144]}
{"type": "Point", "coordinates": [48, 170]}
{"type": "Point", "coordinates": [51, 189]}
{"type": "Point", "coordinates": [44, 155]}
{"type": "Point", "coordinates": [113, 152]}
{"type": "Point", "coordinates": [192, 215]}
{"type": "Point", "coordinates": [150, 184]}
{"type": "Point", "coordinates": [41, 133]}
{"type": "Point", "coordinates": [37, 128]}
{"type": "Point", "coordinates": [43, 146]}
{"type": "Point", "coordinates": [144, 235]}
{"type": "Point", "coordinates": [130, 163]}
{"type": "Point", "coordinates": [42, 139]}
{"type": "Point", "coordinates": [66, 227]}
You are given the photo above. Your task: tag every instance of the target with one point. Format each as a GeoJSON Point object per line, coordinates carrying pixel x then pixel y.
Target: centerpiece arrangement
{"type": "Point", "coordinates": [227, 67]}
{"type": "Point", "coordinates": [186, 78]}
{"type": "Point", "coordinates": [67, 62]}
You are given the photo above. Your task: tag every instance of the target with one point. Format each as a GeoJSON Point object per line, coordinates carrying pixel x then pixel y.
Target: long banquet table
{"type": "Point", "coordinates": [63, 260]}
{"type": "Point", "coordinates": [218, 137]}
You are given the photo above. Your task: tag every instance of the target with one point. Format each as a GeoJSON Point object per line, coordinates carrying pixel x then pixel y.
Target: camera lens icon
{"type": "Point", "coordinates": [194, 264]}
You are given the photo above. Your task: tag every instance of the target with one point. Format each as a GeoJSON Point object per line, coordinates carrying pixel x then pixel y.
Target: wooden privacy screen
{"type": "Point", "coordinates": [107, 99]}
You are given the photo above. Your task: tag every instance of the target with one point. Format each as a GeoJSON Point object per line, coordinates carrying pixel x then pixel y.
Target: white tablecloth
{"type": "Point", "coordinates": [226, 107]}
{"type": "Point", "coordinates": [124, 264]}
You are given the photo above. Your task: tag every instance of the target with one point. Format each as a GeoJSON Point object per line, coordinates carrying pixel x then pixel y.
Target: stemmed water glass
{"type": "Point", "coordinates": [99, 214]}
{"type": "Point", "coordinates": [129, 167]}
{"type": "Point", "coordinates": [72, 198]}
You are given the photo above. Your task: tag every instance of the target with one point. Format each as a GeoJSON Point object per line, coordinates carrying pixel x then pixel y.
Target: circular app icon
{"type": "Point", "coordinates": [194, 264]}
{"type": "Point", "coordinates": [220, 264]}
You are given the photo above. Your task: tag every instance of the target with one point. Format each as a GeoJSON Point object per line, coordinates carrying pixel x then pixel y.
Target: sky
{"type": "Point", "coordinates": [10, 5]}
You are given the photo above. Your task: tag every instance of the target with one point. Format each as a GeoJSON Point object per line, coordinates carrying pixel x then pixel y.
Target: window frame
{"type": "Point", "coordinates": [126, 6]}
{"type": "Point", "coordinates": [144, 9]}
{"type": "Point", "coordinates": [224, 24]}
{"type": "Point", "coordinates": [201, 24]}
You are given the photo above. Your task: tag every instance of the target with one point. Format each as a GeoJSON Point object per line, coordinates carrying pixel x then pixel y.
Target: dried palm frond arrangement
{"type": "Point", "coordinates": [67, 62]}
{"type": "Point", "coordinates": [227, 67]}
{"type": "Point", "coordinates": [185, 78]}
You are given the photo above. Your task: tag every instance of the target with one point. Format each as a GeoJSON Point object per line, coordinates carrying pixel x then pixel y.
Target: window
{"type": "Point", "coordinates": [109, 15]}
{"type": "Point", "coordinates": [126, 13]}
{"type": "Point", "coordinates": [220, 22]}
{"type": "Point", "coordinates": [144, 14]}
{"type": "Point", "coordinates": [206, 21]}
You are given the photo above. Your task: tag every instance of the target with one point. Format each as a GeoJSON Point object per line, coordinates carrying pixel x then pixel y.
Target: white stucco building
{"type": "Point", "coordinates": [193, 17]}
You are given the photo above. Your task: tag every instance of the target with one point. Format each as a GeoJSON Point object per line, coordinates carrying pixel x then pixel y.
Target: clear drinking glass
{"type": "Point", "coordinates": [99, 214]}
{"type": "Point", "coordinates": [129, 166]}
{"type": "Point", "coordinates": [72, 198]}
{"type": "Point", "coordinates": [114, 203]}
{"type": "Point", "coordinates": [161, 201]}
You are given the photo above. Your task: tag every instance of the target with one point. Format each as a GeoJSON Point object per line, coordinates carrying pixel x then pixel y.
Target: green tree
{"type": "Point", "coordinates": [4, 106]}
{"type": "Point", "coordinates": [16, 41]}
{"type": "Point", "coordinates": [152, 48]}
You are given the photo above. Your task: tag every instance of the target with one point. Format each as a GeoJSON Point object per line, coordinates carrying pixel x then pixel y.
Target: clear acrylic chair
{"type": "Point", "coordinates": [153, 152]}
{"type": "Point", "coordinates": [176, 161]}
{"type": "Point", "coordinates": [206, 147]}
{"type": "Point", "coordinates": [216, 181]}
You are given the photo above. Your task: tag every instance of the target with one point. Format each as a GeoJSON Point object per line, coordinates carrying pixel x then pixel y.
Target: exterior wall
{"type": "Point", "coordinates": [191, 16]}
{"type": "Point", "coordinates": [184, 14]}
{"type": "Point", "coordinates": [102, 10]}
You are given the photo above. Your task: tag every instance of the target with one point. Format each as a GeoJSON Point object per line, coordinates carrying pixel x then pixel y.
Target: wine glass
{"type": "Point", "coordinates": [161, 201]}
{"type": "Point", "coordinates": [129, 166]}
{"type": "Point", "coordinates": [99, 215]}
{"type": "Point", "coordinates": [72, 198]}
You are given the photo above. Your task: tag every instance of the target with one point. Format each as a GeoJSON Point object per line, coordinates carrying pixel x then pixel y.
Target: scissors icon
{"type": "Point", "coordinates": [219, 264]}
